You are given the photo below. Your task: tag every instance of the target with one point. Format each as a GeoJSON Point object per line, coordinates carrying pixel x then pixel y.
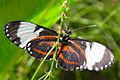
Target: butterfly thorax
{"type": "Point", "coordinates": [66, 37]}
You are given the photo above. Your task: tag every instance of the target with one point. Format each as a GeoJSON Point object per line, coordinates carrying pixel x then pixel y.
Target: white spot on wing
{"type": "Point", "coordinates": [112, 57]}
{"type": "Point", "coordinates": [84, 63]}
{"type": "Point", "coordinates": [15, 42]}
{"type": "Point", "coordinates": [106, 66]}
{"type": "Point", "coordinates": [109, 63]}
{"type": "Point", "coordinates": [84, 67]}
{"type": "Point", "coordinates": [29, 49]}
{"type": "Point", "coordinates": [77, 67]}
{"type": "Point", "coordinates": [81, 66]}
{"type": "Point", "coordinates": [6, 30]}
{"type": "Point", "coordinates": [7, 34]}
{"type": "Point", "coordinates": [94, 53]}
{"type": "Point", "coordinates": [101, 68]}
{"type": "Point", "coordinates": [7, 26]}
{"type": "Point", "coordinates": [96, 69]}
{"type": "Point", "coordinates": [30, 52]}
{"type": "Point", "coordinates": [10, 38]}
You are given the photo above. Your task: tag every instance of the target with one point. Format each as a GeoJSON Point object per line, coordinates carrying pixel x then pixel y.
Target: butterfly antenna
{"type": "Point", "coordinates": [90, 26]}
{"type": "Point", "coordinates": [64, 27]}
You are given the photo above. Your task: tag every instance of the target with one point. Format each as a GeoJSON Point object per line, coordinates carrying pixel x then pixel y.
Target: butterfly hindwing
{"type": "Point", "coordinates": [82, 54]}
{"type": "Point", "coordinates": [20, 32]}
{"type": "Point", "coordinates": [72, 56]}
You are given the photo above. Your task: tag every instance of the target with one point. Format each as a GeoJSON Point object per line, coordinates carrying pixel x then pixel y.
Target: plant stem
{"type": "Point", "coordinates": [53, 60]}
{"type": "Point", "coordinates": [56, 45]}
{"type": "Point", "coordinates": [42, 62]}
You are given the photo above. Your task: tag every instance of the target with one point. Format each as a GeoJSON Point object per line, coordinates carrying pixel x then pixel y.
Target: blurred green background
{"type": "Point", "coordinates": [16, 64]}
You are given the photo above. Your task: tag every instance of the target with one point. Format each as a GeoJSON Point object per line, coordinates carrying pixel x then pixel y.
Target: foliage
{"type": "Point", "coordinates": [15, 63]}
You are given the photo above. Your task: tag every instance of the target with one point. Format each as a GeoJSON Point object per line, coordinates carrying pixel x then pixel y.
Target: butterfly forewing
{"type": "Point", "coordinates": [20, 32]}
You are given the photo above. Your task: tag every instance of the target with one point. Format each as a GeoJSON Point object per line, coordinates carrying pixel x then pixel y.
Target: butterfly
{"type": "Point", "coordinates": [75, 53]}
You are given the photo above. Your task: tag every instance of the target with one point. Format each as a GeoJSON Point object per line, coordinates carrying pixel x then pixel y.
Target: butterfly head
{"type": "Point", "coordinates": [65, 38]}
{"type": "Point", "coordinates": [68, 32]}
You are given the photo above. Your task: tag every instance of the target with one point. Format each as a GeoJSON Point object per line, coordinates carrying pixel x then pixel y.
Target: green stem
{"type": "Point", "coordinates": [53, 59]}
{"type": "Point", "coordinates": [42, 62]}
{"type": "Point", "coordinates": [54, 56]}
{"type": "Point", "coordinates": [45, 59]}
